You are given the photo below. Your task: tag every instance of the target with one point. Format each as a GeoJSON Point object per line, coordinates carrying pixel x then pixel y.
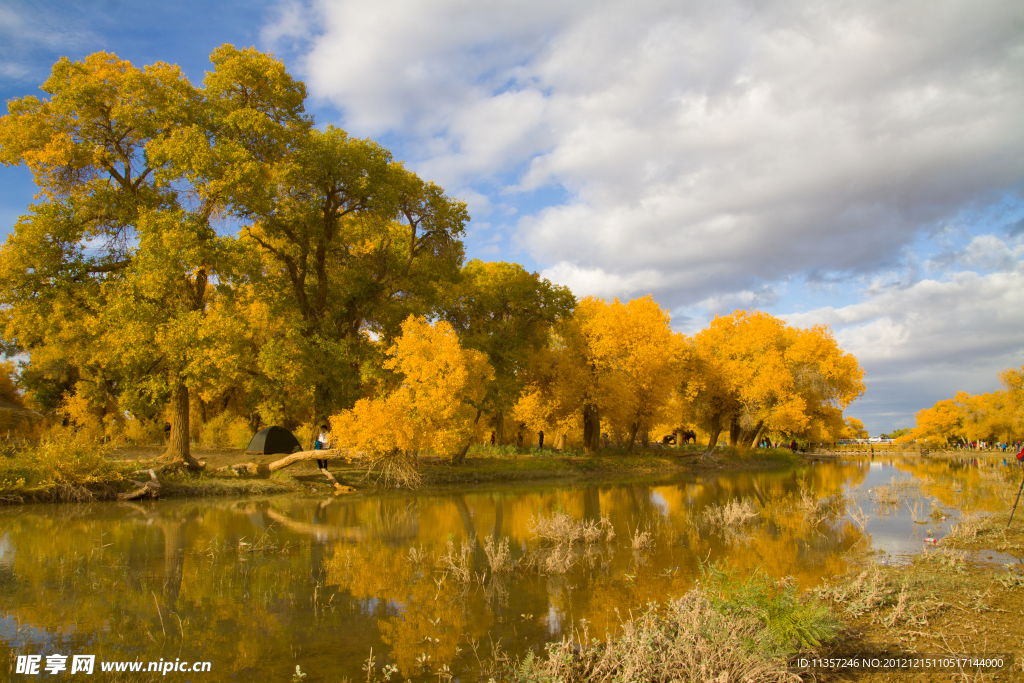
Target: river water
{"type": "Point", "coordinates": [258, 586]}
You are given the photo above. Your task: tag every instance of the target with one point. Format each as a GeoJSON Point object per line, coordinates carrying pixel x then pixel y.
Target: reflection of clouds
{"type": "Point", "coordinates": [6, 552]}
{"type": "Point", "coordinates": [658, 500]}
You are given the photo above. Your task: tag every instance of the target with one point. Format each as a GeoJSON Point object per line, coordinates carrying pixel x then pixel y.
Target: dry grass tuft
{"type": "Point", "coordinates": [499, 556]}
{"type": "Point", "coordinates": [869, 591]}
{"type": "Point", "coordinates": [692, 638]}
{"type": "Point", "coordinates": [459, 564]}
{"type": "Point", "coordinates": [561, 528]}
{"type": "Point", "coordinates": [969, 527]}
{"type": "Point", "coordinates": [394, 471]}
{"type": "Point", "coordinates": [641, 540]}
{"type": "Point", "coordinates": [733, 514]}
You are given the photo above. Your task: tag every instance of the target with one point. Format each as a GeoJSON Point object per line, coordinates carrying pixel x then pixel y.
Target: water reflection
{"type": "Point", "coordinates": [258, 586]}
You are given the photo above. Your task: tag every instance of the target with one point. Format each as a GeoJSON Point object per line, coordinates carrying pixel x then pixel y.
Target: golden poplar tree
{"type": "Point", "coordinates": [435, 405]}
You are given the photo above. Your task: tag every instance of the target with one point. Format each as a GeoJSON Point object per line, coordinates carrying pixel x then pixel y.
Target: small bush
{"type": "Point", "coordinates": [789, 624]}
{"type": "Point", "coordinates": [225, 431]}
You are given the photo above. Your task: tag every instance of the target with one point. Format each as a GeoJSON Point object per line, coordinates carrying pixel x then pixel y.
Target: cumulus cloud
{"type": "Point", "coordinates": [924, 342]}
{"type": "Point", "coordinates": [741, 142]}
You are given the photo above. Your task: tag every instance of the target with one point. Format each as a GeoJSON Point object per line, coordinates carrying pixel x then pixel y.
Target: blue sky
{"type": "Point", "coordinates": [859, 164]}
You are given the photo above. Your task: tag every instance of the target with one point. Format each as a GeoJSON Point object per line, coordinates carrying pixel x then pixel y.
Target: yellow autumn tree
{"type": "Point", "coordinates": [436, 405]}
{"type": "Point", "coordinates": [942, 422]}
{"type": "Point", "coordinates": [609, 367]}
{"type": "Point", "coordinates": [632, 345]}
{"type": "Point", "coordinates": [749, 373]}
{"type": "Point", "coordinates": [854, 429]}
{"type": "Point", "coordinates": [996, 416]}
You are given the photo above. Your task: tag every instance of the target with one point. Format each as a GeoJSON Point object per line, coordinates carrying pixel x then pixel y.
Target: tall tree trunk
{"type": "Point", "coordinates": [591, 428]}
{"type": "Point", "coordinates": [460, 457]}
{"type": "Point", "coordinates": [756, 435]}
{"type": "Point", "coordinates": [735, 431]}
{"type": "Point", "coordinates": [499, 427]}
{"type": "Point", "coordinates": [716, 429]}
{"type": "Point", "coordinates": [178, 448]}
{"type": "Point", "coordinates": [633, 429]}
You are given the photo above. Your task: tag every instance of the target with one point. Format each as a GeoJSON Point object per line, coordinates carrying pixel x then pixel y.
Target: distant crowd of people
{"type": "Point", "coordinates": [1013, 447]}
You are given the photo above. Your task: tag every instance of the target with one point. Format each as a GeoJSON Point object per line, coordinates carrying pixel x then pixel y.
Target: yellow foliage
{"type": "Point", "coordinates": [91, 422]}
{"type": "Point", "coordinates": [749, 373]}
{"type": "Point", "coordinates": [997, 416]}
{"type": "Point", "coordinates": [436, 406]}
{"type": "Point", "coordinates": [855, 429]}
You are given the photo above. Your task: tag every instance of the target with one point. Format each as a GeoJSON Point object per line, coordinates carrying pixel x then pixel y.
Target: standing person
{"type": "Point", "coordinates": [322, 443]}
{"type": "Point", "coordinates": [494, 437]}
{"type": "Point", "coordinates": [540, 439]}
{"type": "Point", "coordinates": [792, 446]}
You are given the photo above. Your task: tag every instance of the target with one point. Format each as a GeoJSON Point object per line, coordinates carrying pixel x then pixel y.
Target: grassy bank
{"type": "Point", "coordinates": [723, 629]}
{"type": "Point", "coordinates": [77, 471]}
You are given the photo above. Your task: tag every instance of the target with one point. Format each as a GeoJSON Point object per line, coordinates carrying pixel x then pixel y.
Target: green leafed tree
{"type": "Point", "coordinates": [506, 312]}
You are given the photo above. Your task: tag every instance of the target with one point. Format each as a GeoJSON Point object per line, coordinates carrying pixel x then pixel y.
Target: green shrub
{"type": "Point", "coordinates": [789, 623]}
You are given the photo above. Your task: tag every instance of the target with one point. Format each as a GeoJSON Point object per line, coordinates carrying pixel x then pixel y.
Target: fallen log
{"type": "Point", "coordinates": [301, 456]}
{"type": "Point", "coordinates": [149, 489]}
{"type": "Point", "coordinates": [266, 469]}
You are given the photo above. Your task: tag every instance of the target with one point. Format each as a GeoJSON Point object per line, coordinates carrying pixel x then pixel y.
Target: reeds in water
{"type": "Point", "coordinates": [733, 514]}
{"type": "Point", "coordinates": [561, 528]}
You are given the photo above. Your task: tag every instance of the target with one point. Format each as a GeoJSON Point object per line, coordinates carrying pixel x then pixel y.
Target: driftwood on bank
{"type": "Point", "coordinates": [265, 469]}
{"type": "Point", "coordinates": [148, 489]}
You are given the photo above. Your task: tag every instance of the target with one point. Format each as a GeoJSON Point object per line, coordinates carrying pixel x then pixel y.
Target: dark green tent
{"type": "Point", "coordinates": [273, 440]}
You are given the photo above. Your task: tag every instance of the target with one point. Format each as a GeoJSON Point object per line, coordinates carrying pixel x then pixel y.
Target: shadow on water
{"type": "Point", "coordinates": [257, 586]}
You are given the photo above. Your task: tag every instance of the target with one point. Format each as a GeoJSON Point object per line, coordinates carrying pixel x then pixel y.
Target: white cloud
{"type": "Point", "coordinates": [26, 27]}
{"type": "Point", "coordinates": [924, 342]}
{"type": "Point", "coordinates": [740, 141]}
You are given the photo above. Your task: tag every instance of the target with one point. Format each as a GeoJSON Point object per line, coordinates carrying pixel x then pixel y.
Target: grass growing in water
{"type": "Point", "coordinates": [561, 528]}
{"type": "Point", "coordinates": [735, 513]}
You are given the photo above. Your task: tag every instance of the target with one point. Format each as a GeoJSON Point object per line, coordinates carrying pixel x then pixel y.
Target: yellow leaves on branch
{"type": "Point", "coordinates": [746, 373]}
{"type": "Point", "coordinates": [855, 429]}
{"type": "Point", "coordinates": [435, 407]}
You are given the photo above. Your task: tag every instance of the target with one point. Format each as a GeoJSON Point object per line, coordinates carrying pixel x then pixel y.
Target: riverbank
{"type": "Point", "coordinates": [75, 472]}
